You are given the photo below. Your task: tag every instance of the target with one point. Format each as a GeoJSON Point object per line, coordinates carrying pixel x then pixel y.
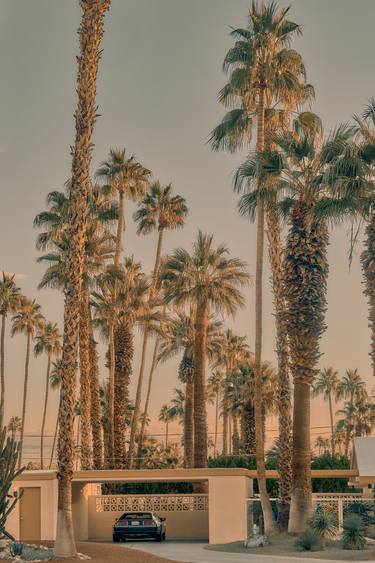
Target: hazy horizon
{"type": "Point", "coordinates": [158, 81]}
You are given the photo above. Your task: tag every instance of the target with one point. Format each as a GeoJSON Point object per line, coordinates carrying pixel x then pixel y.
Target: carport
{"type": "Point", "coordinates": [220, 516]}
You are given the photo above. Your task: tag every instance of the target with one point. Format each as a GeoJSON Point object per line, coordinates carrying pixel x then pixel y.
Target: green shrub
{"type": "Point", "coordinates": [308, 541]}
{"type": "Point", "coordinates": [324, 525]}
{"type": "Point", "coordinates": [353, 532]}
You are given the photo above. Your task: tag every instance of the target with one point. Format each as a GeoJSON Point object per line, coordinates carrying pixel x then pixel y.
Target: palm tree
{"type": "Point", "coordinates": [123, 302]}
{"type": "Point", "coordinates": [90, 34]}
{"type": "Point", "coordinates": [352, 388]}
{"type": "Point", "coordinates": [214, 387]}
{"type": "Point", "coordinates": [263, 73]}
{"type": "Point", "coordinates": [55, 383]}
{"type": "Point", "coordinates": [14, 426]}
{"type": "Point", "coordinates": [304, 167]}
{"type": "Point", "coordinates": [231, 353]}
{"type": "Point", "coordinates": [10, 296]}
{"type": "Point", "coordinates": [166, 415]}
{"type": "Point", "coordinates": [27, 321]}
{"type": "Point", "coordinates": [326, 384]}
{"type": "Point", "coordinates": [358, 419]}
{"type": "Point", "coordinates": [47, 342]}
{"type": "Point", "coordinates": [210, 281]}
{"type": "Point", "coordinates": [161, 211]}
{"type": "Point", "coordinates": [321, 444]}
{"type": "Point", "coordinates": [129, 179]}
{"type": "Point", "coordinates": [178, 337]}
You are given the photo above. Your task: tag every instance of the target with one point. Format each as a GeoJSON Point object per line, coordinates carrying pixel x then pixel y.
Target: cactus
{"type": "Point", "coordinates": [9, 451]}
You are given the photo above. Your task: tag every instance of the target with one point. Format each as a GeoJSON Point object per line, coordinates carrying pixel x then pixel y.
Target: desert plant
{"type": "Point", "coordinates": [324, 525]}
{"type": "Point", "coordinates": [353, 532]}
{"type": "Point", "coordinates": [308, 541]}
{"type": "Point", "coordinates": [16, 549]}
{"type": "Point", "coordinates": [9, 452]}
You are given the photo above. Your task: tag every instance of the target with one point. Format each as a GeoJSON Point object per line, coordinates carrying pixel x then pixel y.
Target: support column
{"type": "Point", "coordinates": [227, 508]}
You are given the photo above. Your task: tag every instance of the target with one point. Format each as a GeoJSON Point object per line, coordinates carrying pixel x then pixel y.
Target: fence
{"type": "Point", "coordinates": [339, 504]}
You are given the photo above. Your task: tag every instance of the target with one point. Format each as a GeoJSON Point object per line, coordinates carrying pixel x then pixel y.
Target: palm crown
{"type": "Point", "coordinates": [208, 274]}
{"type": "Point", "coordinates": [159, 209]}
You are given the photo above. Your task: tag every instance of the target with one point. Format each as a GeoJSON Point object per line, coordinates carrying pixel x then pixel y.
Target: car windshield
{"type": "Point", "coordinates": [136, 516]}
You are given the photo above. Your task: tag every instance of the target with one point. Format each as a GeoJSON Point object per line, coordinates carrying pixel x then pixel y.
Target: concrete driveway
{"type": "Point", "coordinates": [194, 552]}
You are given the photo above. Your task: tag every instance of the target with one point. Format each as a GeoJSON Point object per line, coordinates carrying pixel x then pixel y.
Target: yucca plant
{"type": "Point", "coordinates": [353, 532]}
{"type": "Point", "coordinates": [324, 525]}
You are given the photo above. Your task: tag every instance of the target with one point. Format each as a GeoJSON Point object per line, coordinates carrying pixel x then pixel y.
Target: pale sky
{"type": "Point", "coordinates": [158, 82]}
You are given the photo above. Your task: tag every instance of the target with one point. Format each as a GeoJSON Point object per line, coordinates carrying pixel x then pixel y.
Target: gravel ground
{"type": "Point", "coordinates": [108, 553]}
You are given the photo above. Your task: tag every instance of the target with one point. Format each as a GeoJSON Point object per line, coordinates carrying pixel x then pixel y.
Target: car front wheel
{"type": "Point", "coordinates": [159, 537]}
{"type": "Point", "coordinates": [116, 538]}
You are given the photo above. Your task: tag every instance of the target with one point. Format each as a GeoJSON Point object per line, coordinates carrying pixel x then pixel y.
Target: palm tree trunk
{"type": "Point", "coordinates": [332, 424]}
{"type": "Point", "coordinates": [124, 351]}
{"type": "Point", "coordinates": [85, 390]}
{"type": "Point", "coordinates": [275, 253]}
{"type": "Point", "coordinates": [306, 271]}
{"type": "Point", "coordinates": [249, 427]}
{"type": "Point", "coordinates": [189, 425]}
{"type": "Point", "coordinates": [111, 396]}
{"type": "Point", "coordinates": [230, 433]}
{"type": "Point", "coordinates": [96, 408]}
{"type": "Point", "coordinates": [216, 421]}
{"type": "Point", "coordinates": [44, 411]}
{"type": "Point", "coordinates": [25, 382]}
{"type": "Point", "coordinates": [166, 434]}
{"type": "Point", "coordinates": [147, 402]}
{"type": "Point", "coordinates": [301, 506]}
{"type": "Point", "coordinates": [225, 423]}
{"type": "Point", "coordinates": [120, 227]}
{"type": "Point", "coordinates": [269, 521]}
{"type": "Point", "coordinates": [54, 441]}
{"type": "Point", "coordinates": [2, 366]}
{"type": "Point", "coordinates": [367, 259]}
{"type": "Point", "coordinates": [138, 396]}
{"type": "Point", "coordinates": [90, 34]}
{"type": "Point", "coordinates": [200, 413]}
{"type": "Point", "coordinates": [236, 436]}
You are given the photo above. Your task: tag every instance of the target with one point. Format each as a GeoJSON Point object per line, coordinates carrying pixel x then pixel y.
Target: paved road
{"type": "Point", "coordinates": [193, 552]}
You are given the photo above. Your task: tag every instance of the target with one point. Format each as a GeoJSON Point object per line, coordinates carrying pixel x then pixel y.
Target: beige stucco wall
{"type": "Point", "coordinates": [180, 525]}
{"type": "Point", "coordinates": [228, 508]}
{"type": "Point", "coordinates": [48, 505]}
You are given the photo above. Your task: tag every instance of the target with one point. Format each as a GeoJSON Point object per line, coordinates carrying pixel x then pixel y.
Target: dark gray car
{"type": "Point", "coordinates": [137, 525]}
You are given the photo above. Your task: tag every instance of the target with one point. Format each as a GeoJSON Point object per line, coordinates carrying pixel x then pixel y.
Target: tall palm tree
{"type": "Point", "coordinates": [14, 426]}
{"type": "Point", "coordinates": [129, 179]}
{"type": "Point", "coordinates": [321, 444]}
{"type": "Point", "coordinates": [210, 281]}
{"type": "Point", "coordinates": [55, 383]}
{"type": "Point", "coordinates": [27, 321]}
{"type": "Point", "coordinates": [264, 71]}
{"type": "Point", "coordinates": [231, 354]}
{"type": "Point", "coordinates": [304, 164]}
{"type": "Point", "coordinates": [90, 35]}
{"type": "Point", "coordinates": [178, 338]}
{"type": "Point", "coordinates": [47, 341]}
{"type": "Point", "coordinates": [214, 387]}
{"type": "Point", "coordinates": [10, 296]}
{"type": "Point", "coordinates": [166, 415]}
{"type": "Point", "coordinates": [357, 418]}
{"type": "Point", "coordinates": [326, 384]}
{"type": "Point", "coordinates": [123, 302]}
{"type": "Point", "coordinates": [161, 211]}
{"type": "Point", "coordinates": [351, 388]}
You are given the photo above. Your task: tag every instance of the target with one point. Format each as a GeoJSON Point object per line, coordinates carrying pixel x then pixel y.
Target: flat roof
{"type": "Point", "coordinates": [173, 475]}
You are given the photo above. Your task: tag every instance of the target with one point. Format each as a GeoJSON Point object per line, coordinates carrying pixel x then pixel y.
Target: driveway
{"type": "Point", "coordinates": [194, 552]}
